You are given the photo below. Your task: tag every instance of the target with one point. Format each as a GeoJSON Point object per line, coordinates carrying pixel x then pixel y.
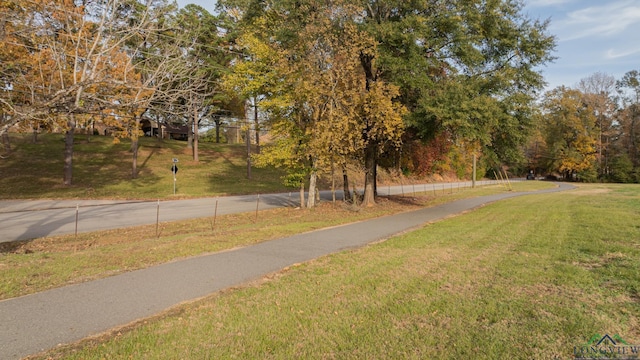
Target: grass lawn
{"type": "Point", "coordinates": [532, 277]}
{"type": "Point", "coordinates": [31, 266]}
{"type": "Point", "coordinates": [102, 169]}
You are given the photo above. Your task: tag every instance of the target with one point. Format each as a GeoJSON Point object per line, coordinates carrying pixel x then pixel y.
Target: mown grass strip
{"type": "Point", "coordinates": [32, 266]}
{"type": "Point", "coordinates": [530, 277]}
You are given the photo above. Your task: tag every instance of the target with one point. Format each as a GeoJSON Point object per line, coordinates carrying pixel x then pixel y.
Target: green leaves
{"type": "Point", "coordinates": [569, 130]}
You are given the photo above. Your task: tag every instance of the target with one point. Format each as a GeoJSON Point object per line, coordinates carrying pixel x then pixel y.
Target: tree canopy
{"type": "Point", "coordinates": [467, 69]}
{"type": "Point", "coordinates": [346, 83]}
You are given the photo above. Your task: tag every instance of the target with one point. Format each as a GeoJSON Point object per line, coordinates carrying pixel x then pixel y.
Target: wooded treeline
{"type": "Point", "coordinates": [417, 86]}
{"type": "Point", "coordinates": [590, 132]}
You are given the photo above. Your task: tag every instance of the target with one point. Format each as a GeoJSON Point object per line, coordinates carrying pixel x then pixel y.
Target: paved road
{"type": "Point", "coordinates": [24, 220]}
{"type": "Point", "coordinates": [34, 323]}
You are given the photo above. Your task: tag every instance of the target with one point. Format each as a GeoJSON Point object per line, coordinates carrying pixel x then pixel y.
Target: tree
{"type": "Point", "coordinates": [463, 68]}
{"type": "Point", "coordinates": [88, 59]}
{"type": "Point", "coordinates": [316, 79]}
{"type": "Point", "coordinates": [570, 133]}
{"type": "Point", "coordinates": [598, 93]}
{"type": "Point", "coordinates": [466, 68]}
{"type": "Point", "coordinates": [629, 89]}
{"type": "Point", "coordinates": [208, 62]}
{"type": "Point", "coordinates": [252, 75]}
{"type": "Point", "coordinates": [168, 79]}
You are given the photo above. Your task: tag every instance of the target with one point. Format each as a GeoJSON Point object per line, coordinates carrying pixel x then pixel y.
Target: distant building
{"type": "Point", "coordinates": [164, 131]}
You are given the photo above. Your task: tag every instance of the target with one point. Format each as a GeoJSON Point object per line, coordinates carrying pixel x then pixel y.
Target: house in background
{"type": "Point", "coordinates": [164, 131]}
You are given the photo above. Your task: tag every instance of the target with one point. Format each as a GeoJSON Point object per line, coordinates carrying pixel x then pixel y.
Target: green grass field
{"type": "Point", "coordinates": [532, 277]}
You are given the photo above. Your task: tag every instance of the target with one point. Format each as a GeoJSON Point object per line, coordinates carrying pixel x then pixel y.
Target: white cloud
{"type": "Point", "coordinates": [545, 3]}
{"type": "Point", "coordinates": [599, 21]}
{"type": "Point", "coordinates": [613, 54]}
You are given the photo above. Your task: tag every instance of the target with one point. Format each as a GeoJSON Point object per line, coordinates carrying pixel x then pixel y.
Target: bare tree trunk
{"type": "Point", "coordinates": [68, 151]}
{"type": "Point", "coordinates": [189, 132]}
{"type": "Point", "coordinates": [195, 134]}
{"type": "Point", "coordinates": [345, 185]}
{"type": "Point", "coordinates": [302, 195]}
{"type": "Point", "coordinates": [5, 136]}
{"type": "Point", "coordinates": [311, 199]}
{"type": "Point", "coordinates": [366, 61]}
{"type": "Point", "coordinates": [134, 148]}
{"type": "Point", "coordinates": [333, 181]}
{"type": "Point", "coordinates": [248, 141]}
{"type": "Point", "coordinates": [218, 123]}
{"type": "Point", "coordinates": [369, 179]}
{"type": "Point", "coordinates": [257, 122]}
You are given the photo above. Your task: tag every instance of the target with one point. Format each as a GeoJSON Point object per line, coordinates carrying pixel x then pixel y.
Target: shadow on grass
{"type": "Point", "coordinates": [15, 247]}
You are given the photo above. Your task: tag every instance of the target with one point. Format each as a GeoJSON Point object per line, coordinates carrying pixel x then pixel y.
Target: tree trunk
{"type": "Point", "coordinates": [190, 133]}
{"type": "Point", "coordinates": [195, 134]}
{"type": "Point", "coordinates": [375, 174]}
{"type": "Point", "coordinates": [134, 148]}
{"type": "Point", "coordinates": [302, 195]}
{"type": "Point", "coordinates": [5, 136]}
{"type": "Point", "coordinates": [311, 199]}
{"type": "Point", "coordinates": [248, 141]}
{"type": "Point", "coordinates": [257, 122]}
{"type": "Point", "coordinates": [367, 61]}
{"type": "Point", "coordinates": [68, 150]}
{"type": "Point", "coordinates": [369, 179]}
{"type": "Point", "coordinates": [217, 122]}
{"type": "Point", "coordinates": [190, 123]}
{"type": "Point", "coordinates": [333, 181]}
{"type": "Point", "coordinates": [6, 143]}
{"type": "Point", "coordinates": [345, 185]}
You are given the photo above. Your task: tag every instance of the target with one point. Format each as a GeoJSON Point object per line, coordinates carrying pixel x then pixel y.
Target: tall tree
{"type": "Point", "coordinates": [208, 60]}
{"type": "Point", "coordinates": [318, 52]}
{"type": "Point", "coordinates": [463, 67]}
{"type": "Point", "coordinates": [629, 89]}
{"type": "Point", "coordinates": [252, 76]}
{"type": "Point", "coordinates": [598, 90]}
{"type": "Point", "coordinates": [570, 134]}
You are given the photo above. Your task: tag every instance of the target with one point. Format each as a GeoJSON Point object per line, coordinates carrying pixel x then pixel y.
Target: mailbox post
{"type": "Point", "coordinates": [174, 170]}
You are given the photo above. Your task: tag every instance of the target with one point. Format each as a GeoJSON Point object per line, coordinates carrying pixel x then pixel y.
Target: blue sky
{"type": "Point", "coordinates": [592, 36]}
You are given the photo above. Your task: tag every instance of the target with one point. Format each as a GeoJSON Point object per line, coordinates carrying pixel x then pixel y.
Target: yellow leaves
{"type": "Point", "coordinates": [569, 130]}
{"type": "Point", "coordinates": [384, 115]}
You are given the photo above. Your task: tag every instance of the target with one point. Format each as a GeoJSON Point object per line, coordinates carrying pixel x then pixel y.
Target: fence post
{"type": "Point", "coordinates": [215, 214]}
{"type": "Point", "coordinates": [77, 211]}
{"type": "Point", "coordinates": [257, 206]}
{"type": "Point", "coordinates": [158, 219]}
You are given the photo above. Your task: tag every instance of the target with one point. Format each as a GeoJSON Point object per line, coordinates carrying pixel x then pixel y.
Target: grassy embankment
{"type": "Point", "coordinates": [39, 264]}
{"type": "Point", "coordinates": [102, 169]}
{"type": "Point", "coordinates": [527, 278]}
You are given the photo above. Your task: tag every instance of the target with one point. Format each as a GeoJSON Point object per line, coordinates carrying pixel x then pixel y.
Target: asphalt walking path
{"type": "Point", "coordinates": [38, 322]}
